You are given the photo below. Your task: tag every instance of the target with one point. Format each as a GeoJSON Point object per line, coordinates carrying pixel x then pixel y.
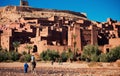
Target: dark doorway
{"type": "Point", "coordinates": [107, 50]}
{"type": "Point", "coordinates": [34, 48]}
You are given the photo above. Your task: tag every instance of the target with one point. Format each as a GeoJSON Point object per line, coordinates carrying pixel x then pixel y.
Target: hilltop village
{"type": "Point", "coordinates": [54, 29]}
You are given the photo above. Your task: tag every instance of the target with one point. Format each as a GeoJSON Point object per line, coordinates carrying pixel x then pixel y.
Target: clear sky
{"type": "Point", "coordinates": [97, 10]}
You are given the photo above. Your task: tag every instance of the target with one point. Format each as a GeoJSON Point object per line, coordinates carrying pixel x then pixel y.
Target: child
{"type": "Point", "coordinates": [26, 67]}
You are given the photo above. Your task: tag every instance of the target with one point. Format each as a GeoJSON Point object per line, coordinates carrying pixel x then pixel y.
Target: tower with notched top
{"type": "Point", "coordinates": [24, 3]}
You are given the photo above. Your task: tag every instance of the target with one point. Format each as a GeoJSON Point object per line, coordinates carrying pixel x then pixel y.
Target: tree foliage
{"type": "Point", "coordinates": [49, 55]}
{"type": "Point", "coordinates": [25, 58]}
{"type": "Point", "coordinates": [114, 54]}
{"type": "Point", "coordinates": [16, 45]}
{"type": "Point", "coordinates": [64, 56]}
{"type": "Point", "coordinates": [4, 56]}
{"type": "Point", "coordinates": [28, 47]}
{"type": "Point", "coordinates": [103, 57]}
{"type": "Point", "coordinates": [91, 53]}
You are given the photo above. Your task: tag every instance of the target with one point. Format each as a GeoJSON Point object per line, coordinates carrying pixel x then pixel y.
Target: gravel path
{"type": "Point", "coordinates": [46, 69]}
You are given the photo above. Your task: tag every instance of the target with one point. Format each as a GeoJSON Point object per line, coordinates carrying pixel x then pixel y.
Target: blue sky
{"type": "Point", "coordinates": [97, 10]}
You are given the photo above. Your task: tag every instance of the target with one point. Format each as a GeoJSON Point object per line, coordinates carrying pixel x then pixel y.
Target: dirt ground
{"type": "Point", "coordinates": [63, 69]}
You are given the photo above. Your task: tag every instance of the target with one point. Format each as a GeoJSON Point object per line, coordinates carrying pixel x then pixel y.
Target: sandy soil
{"type": "Point", "coordinates": [64, 69]}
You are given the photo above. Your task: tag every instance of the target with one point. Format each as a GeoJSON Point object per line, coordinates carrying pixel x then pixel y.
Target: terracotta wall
{"type": "Point", "coordinates": [114, 42]}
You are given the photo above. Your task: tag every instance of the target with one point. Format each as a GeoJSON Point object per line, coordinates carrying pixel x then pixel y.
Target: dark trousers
{"type": "Point", "coordinates": [25, 70]}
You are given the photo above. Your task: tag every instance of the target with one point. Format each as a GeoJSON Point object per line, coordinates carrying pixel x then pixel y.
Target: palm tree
{"type": "Point", "coordinates": [29, 48]}
{"type": "Point", "coordinates": [16, 45]}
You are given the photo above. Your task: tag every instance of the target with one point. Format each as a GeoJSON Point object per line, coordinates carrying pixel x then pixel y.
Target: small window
{"type": "Point", "coordinates": [42, 13]}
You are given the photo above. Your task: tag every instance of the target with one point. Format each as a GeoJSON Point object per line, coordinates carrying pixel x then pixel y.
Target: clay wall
{"type": "Point", "coordinates": [78, 38]}
{"type": "Point", "coordinates": [44, 32]}
{"type": "Point", "coordinates": [5, 42]}
{"type": "Point", "coordinates": [70, 33]}
{"type": "Point", "coordinates": [114, 42]}
{"type": "Point", "coordinates": [94, 35]}
{"type": "Point", "coordinates": [85, 37]}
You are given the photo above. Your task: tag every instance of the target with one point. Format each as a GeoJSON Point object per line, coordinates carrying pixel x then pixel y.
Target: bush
{"type": "Point", "coordinates": [4, 56]}
{"type": "Point", "coordinates": [25, 58]}
{"type": "Point", "coordinates": [111, 56]}
{"type": "Point", "coordinates": [70, 55]}
{"type": "Point", "coordinates": [49, 55]}
{"type": "Point", "coordinates": [24, 52]}
{"type": "Point", "coordinates": [114, 54]}
{"type": "Point", "coordinates": [43, 55]}
{"type": "Point", "coordinates": [67, 55]}
{"type": "Point", "coordinates": [94, 58]}
{"type": "Point", "coordinates": [15, 56]}
{"type": "Point", "coordinates": [103, 58]}
{"type": "Point", "coordinates": [91, 53]}
{"type": "Point", "coordinates": [64, 56]}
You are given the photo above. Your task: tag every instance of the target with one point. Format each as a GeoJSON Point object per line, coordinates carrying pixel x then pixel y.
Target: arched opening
{"type": "Point", "coordinates": [34, 48]}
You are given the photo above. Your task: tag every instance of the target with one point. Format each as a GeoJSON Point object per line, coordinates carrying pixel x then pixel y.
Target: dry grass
{"type": "Point", "coordinates": [118, 63]}
{"type": "Point", "coordinates": [95, 64]}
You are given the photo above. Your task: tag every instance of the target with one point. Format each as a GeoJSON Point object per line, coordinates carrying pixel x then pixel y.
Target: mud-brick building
{"type": "Point", "coordinates": [45, 29]}
{"type": "Point", "coordinates": [108, 34]}
{"type": "Point", "coordinates": [53, 29]}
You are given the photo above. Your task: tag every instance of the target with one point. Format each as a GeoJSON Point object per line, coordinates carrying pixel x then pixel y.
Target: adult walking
{"type": "Point", "coordinates": [33, 63]}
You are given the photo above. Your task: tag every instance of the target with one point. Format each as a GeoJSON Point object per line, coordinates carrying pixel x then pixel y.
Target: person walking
{"type": "Point", "coordinates": [26, 67]}
{"type": "Point", "coordinates": [33, 66]}
{"type": "Point", "coordinates": [33, 63]}
{"type": "Point", "coordinates": [32, 58]}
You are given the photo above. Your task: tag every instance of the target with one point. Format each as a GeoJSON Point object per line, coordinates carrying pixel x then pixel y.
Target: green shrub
{"type": "Point", "coordinates": [111, 56]}
{"type": "Point", "coordinates": [4, 56]}
{"type": "Point", "coordinates": [103, 58]}
{"type": "Point", "coordinates": [83, 57]}
{"type": "Point", "coordinates": [49, 55]}
{"type": "Point", "coordinates": [24, 52]}
{"type": "Point", "coordinates": [43, 55]}
{"type": "Point", "coordinates": [94, 58]}
{"type": "Point", "coordinates": [70, 55]}
{"type": "Point", "coordinates": [67, 55]}
{"type": "Point", "coordinates": [25, 58]}
{"type": "Point", "coordinates": [64, 56]}
{"type": "Point", "coordinates": [91, 53]}
{"type": "Point", "coordinates": [114, 54]}
{"type": "Point", "coordinates": [15, 56]}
